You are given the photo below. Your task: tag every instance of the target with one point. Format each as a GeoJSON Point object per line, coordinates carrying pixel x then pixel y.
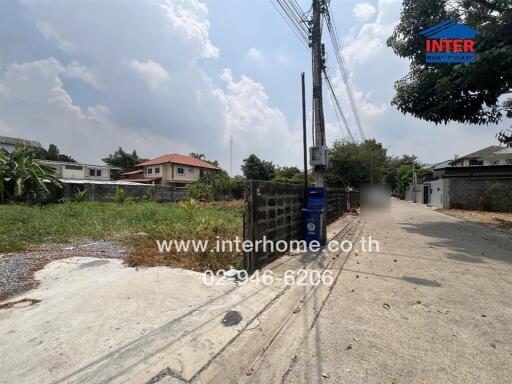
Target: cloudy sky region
{"type": "Point", "coordinates": [176, 76]}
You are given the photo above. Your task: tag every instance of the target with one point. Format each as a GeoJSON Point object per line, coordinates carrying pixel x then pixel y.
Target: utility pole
{"type": "Point", "coordinates": [318, 152]}
{"type": "Point", "coordinates": [304, 137]}
{"type": "Point", "coordinates": [413, 183]}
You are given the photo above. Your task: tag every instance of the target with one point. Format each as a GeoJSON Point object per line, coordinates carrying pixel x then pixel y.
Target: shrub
{"type": "Point", "coordinates": [79, 195]}
{"type": "Point", "coordinates": [149, 195]}
{"type": "Point", "coordinates": [238, 186]}
{"type": "Point", "coordinates": [121, 197]}
{"type": "Point", "coordinates": [212, 186]}
{"type": "Point", "coordinates": [496, 197]}
{"type": "Point", "coordinates": [189, 206]}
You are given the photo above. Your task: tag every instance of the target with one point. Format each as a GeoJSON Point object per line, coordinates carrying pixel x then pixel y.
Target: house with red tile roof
{"type": "Point", "coordinates": [173, 169]}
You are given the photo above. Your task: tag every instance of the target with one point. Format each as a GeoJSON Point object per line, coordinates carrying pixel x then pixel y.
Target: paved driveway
{"type": "Point", "coordinates": [434, 306]}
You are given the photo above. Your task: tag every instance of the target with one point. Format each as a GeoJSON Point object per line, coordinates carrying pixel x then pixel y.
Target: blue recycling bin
{"type": "Point", "coordinates": [312, 215]}
{"type": "Point", "coordinates": [312, 224]}
{"type": "Point", "coordinates": [315, 197]}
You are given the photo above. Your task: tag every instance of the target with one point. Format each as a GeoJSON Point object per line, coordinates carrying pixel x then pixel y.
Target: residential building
{"type": "Point", "coordinates": [75, 171]}
{"type": "Point", "coordinates": [462, 182]}
{"type": "Point", "coordinates": [476, 158]}
{"type": "Point", "coordinates": [8, 143]}
{"type": "Point", "coordinates": [173, 169]}
{"type": "Point", "coordinates": [500, 157]}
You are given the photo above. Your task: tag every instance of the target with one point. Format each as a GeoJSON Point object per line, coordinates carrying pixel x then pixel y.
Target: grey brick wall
{"type": "Point", "coordinates": [104, 192]}
{"type": "Point", "coordinates": [465, 193]}
{"type": "Point", "coordinates": [274, 211]}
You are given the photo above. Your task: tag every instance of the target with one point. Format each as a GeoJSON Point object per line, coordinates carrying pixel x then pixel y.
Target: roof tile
{"type": "Point", "coordinates": [179, 159]}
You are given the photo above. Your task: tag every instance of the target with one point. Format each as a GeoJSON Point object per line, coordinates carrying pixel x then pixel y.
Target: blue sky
{"type": "Point", "coordinates": [165, 76]}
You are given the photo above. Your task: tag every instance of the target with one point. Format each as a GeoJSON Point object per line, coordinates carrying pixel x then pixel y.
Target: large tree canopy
{"type": "Point", "coordinates": [124, 160]}
{"type": "Point", "coordinates": [477, 93]}
{"type": "Point", "coordinates": [256, 169]}
{"type": "Point", "coordinates": [53, 153]}
{"type": "Point", "coordinates": [354, 164]}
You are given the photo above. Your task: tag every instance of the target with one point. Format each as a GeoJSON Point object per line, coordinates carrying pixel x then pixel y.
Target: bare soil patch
{"type": "Point", "coordinates": [495, 219]}
{"type": "Point", "coordinates": [146, 254]}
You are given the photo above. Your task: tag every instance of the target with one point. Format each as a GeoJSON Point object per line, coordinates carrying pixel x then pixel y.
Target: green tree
{"type": "Point", "coordinates": [256, 169]}
{"type": "Point", "coordinates": [475, 93]}
{"type": "Point", "coordinates": [210, 186]}
{"type": "Point", "coordinates": [404, 177]}
{"type": "Point", "coordinates": [199, 156]}
{"type": "Point", "coordinates": [202, 156]}
{"type": "Point", "coordinates": [291, 175]}
{"type": "Point", "coordinates": [394, 164]}
{"type": "Point", "coordinates": [505, 137]}
{"type": "Point", "coordinates": [238, 186]}
{"type": "Point", "coordinates": [23, 178]}
{"type": "Point", "coordinates": [52, 153]}
{"type": "Point", "coordinates": [354, 164]}
{"type": "Point", "coordinates": [121, 159]}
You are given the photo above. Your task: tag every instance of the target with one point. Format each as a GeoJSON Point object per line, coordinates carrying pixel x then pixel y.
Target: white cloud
{"type": "Point", "coordinates": [249, 115]}
{"type": "Point", "coordinates": [367, 41]}
{"type": "Point", "coordinates": [42, 109]}
{"type": "Point", "coordinates": [255, 55]}
{"type": "Point", "coordinates": [75, 70]}
{"type": "Point", "coordinates": [190, 19]}
{"type": "Point", "coordinates": [184, 115]}
{"type": "Point", "coordinates": [151, 71]}
{"type": "Point", "coordinates": [364, 11]}
{"type": "Point", "coordinates": [50, 34]}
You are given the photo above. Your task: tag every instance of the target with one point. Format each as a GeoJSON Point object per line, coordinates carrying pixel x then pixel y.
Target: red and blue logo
{"type": "Point", "coordinates": [450, 42]}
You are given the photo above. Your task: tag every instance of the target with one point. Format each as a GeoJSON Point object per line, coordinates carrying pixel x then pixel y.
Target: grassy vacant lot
{"type": "Point", "coordinates": [138, 224]}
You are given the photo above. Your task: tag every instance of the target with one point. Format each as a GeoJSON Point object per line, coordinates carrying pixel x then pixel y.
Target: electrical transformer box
{"type": "Point", "coordinates": [318, 156]}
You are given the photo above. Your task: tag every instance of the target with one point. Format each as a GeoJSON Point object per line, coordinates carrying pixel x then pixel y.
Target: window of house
{"type": "Point", "coordinates": [157, 170]}
{"type": "Point", "coordinates": [191, 170]}
{"type": "Point", "coordinates": [476, 162]}
{"type": "Point", "coordinates": [92, 172]}
{"type": "Point", "coordinates": [98, 172]}
{"type": "Point", "coordinates": [180, 170]}
{"type": "Point", "coordinates": [75, 167]}
{"type": "Point", "coordinates": [149, 171]}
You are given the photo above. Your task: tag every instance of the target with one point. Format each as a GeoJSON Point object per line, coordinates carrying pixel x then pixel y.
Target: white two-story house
{"type": "Point", "coordinates": [75, 171]}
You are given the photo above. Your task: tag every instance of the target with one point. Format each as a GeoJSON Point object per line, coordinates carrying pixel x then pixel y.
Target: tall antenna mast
{"type": "Point", "coordinates": [231, 154]}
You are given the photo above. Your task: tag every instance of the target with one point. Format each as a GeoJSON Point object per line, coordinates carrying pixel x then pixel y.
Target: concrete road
{"type": "Point", "coordinates": [433, 306]}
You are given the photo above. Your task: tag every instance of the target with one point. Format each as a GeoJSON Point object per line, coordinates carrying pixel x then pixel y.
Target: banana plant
{"type": "Point", "coordinates": [23, 178]}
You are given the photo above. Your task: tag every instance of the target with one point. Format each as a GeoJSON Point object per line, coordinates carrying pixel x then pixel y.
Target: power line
{"type": "Point", "coordinates": [337, 108]}
{"type": "Point", "coordinates": [293, 16]}
{"type": "Point", "coordinates": [343, 68]}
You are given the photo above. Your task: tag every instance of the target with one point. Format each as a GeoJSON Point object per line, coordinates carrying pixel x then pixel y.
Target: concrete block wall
{"type": "Point", "coordinates": [105, 192]}
{"type": "Point", "coordinates": [271, 210]}
{"type": "Point", "coordinates": [465, 193]}
{"type": "Point", "coordinates": [274, 211]}
{"type": "Point", "coordinates": [339, 202]}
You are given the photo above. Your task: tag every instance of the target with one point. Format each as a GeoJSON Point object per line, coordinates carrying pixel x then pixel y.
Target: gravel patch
{"type": "Point", "coordinates": [17, 268]}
